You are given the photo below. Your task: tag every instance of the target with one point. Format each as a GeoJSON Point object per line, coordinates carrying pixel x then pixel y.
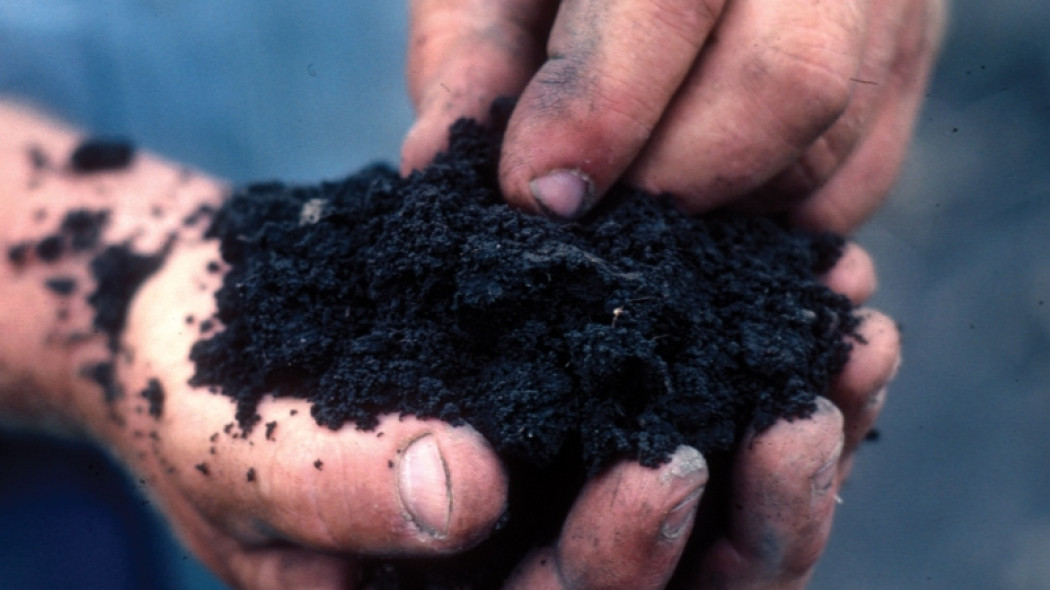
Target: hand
{"type": "Point", "coordinates": [283, 507]}
{"type": "Point", "coordinates": [288, 504]}
{"type": "Point", "coordinates": [629, 527]}
{"type": "Point", "coordinates": [803, 107]}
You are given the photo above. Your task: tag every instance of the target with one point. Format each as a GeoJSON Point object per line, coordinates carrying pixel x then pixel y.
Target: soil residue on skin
{"type": "Point", "coordinates": [154, 396]}
{"type": "Point", "coordinates": [99, 154]}
{"type": "Point", "coordinates": [63, 286]}
{"type": "Point", "coordinates": [104, 375]}
{"type": "Point", "coordinates": [567, 345]}
{"type": "Point", "coordinates": [119, 272]}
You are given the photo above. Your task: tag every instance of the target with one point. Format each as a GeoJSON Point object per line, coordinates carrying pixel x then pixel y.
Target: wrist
{"type": "Point", "coordinates": [73, 248]}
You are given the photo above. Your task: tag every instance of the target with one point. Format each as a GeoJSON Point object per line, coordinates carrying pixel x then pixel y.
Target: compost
{"type": "Point", "coordinates": [566, 344]}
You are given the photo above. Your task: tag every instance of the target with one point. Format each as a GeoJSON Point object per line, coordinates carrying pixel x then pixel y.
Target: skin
{"type": "Point", "coordinates": [423, 487]}
{"type": "Point", "coordinates": [802, 108]}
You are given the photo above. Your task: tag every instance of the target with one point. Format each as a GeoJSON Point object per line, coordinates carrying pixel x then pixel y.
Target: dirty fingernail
{"type": "Point", "coordinates": [680, 517]}
{"type": "Point", "coordinates": [687, 471]}
{"type": "Point", "coordinates": [822, 480]}
{"type": "Point", "coordinates": [824, 406]}
{"type": "Point", "coordinates": [563, 193]}
{"type": "Point", "coordinates": [424, 486]}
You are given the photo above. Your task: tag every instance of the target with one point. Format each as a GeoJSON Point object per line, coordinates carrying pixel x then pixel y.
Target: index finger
{"type": "Point", "coordinates": [462, 55]}
{"type": "Point", "coordinates": [612, 68]}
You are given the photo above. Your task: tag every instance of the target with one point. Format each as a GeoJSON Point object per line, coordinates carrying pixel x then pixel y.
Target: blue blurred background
{"type": "Point", "coordinates": [955, 495]}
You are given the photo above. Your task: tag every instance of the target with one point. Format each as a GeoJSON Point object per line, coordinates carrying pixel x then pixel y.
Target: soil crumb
{"type": "Point", "coordinates": [80, 230]}
{"type": "Point", "coordinates": [118, 272]}
{"type": "Point", "coordinates": [83, 228]}
{"type": "Point", "coordinates": [104, 375]}
{"type": "Point", "coordinates": [567, 345]}
{"type": "Point", "coordinates": [154, 396]}
{"type": "Point", "coordinates": [19, 253]}
{"type": "Point", "coordinates": [63, 286]}
{"type": "Point", "coordinates": [98, 154]}
{"type": "Point", "coordinates": [50, 248]}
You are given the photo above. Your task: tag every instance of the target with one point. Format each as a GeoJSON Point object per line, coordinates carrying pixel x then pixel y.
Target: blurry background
{"type": "Point", "coordinates": [955, 495]}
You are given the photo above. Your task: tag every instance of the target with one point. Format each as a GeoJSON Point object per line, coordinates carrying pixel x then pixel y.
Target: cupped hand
{"type": "Point", "coordinates": [631, 526]}
{"type": "Point", "coordinates": [289, 504]}
{"type": "Point", "coordinates": [798, 107]}
{"type": "Point", "coordinates": [293, 503]}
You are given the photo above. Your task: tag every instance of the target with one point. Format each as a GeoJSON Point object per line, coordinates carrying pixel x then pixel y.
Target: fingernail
{"type": "Point", "coordinates": [681, 516]}
{"type": "Point", "coordinates": [824, 406]}
{"type": "Point", "coordinates": [424, 486]}
{"type": "Point", "coordinates": [563, 193]}
{"type": "Point", "coordinates": [688, 472]}
{"type": "Point", "coordinates": [822, 480]}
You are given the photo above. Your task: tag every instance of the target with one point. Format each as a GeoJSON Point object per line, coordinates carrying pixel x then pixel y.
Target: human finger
{"type": "Point", "coordinates": [612, 68]}
{"type": "Point", "coordinates": [860, 389]}
{"type": "Point", "coordinates": [848, 197]}
{"type": "Point", "coordinates": [462, 55]}
{"type": "Point", "coordinates": [821, 160]}
{"type": "Point", "coordinates": [627, 529]}
{"type": "Point", "coordinates": [783, 499]}
{"type": "Point", "coordinates": [853, 274]}
{"type": "Point", "coordinates": [409, 486]}
{"type": "Point", "coordinates": [780, 75]}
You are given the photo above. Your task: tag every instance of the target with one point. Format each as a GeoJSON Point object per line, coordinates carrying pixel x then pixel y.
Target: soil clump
{"type": "Point", "coordinates": [568, 345]}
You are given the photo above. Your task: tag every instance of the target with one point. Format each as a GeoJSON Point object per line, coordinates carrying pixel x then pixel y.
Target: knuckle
{"type": "Point", "coordinates": [817, 86]}
{"type": "Point", "coordinates": [824, 88]}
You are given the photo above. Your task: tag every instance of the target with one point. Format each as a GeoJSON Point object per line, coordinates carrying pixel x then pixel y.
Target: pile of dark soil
{"type": "Point", "coordinates": [568, 345]}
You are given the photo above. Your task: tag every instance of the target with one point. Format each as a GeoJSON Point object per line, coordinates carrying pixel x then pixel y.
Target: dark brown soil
{"type": "Point", "coordinates": [567, 345]}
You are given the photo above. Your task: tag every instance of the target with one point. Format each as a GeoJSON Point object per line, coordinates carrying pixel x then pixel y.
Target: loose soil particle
{"type": "Point", "coordinates": [84, 227]}
{"type": "Point", "coordinates": [154, 396]}
{"type": "Point", "coordinates": [63, 286]}
{"type": "Point", "coordinates": [98, 154]}
{"type": "Point", "coordinates": [567, 345]}
{"type": "Point", "coordinates": [50, 248]}
{"type": "Point", "coordinates": [104, 375]}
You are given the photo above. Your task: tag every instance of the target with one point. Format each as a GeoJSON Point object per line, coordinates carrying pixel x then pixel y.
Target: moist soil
{"type": "Point", "coordinates": [568, 345]}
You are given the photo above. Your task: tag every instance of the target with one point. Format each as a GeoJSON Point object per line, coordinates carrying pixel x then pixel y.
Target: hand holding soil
{"type": "Point", "coordinates": [292, 503]}
{"type": "Point", "coordinates": [803, 107]}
